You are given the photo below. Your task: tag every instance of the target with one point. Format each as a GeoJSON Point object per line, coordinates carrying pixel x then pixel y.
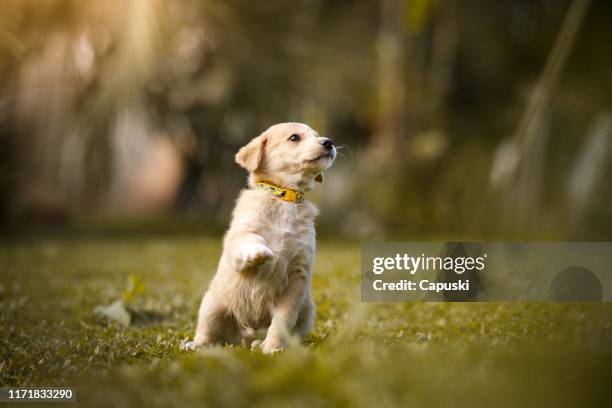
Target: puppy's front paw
{"type": "Point", "coordinates": [192, 345]}
{"type": "Point", "coordinates": [272, 344]}
{"type": "Point", "coordinates": [253, 255]}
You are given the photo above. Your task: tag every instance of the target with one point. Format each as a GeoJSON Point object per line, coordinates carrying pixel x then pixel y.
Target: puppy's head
{"type": "Point", "coordinates": [291, 155]}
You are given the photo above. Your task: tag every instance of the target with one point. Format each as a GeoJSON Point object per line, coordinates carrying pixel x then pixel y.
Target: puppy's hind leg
{"type": "Point", "coordinates": [286, 312]}
{"type": "Point", "coordinates": [215, 324]}
{"type": "Point", "coordinates": [306, 318]}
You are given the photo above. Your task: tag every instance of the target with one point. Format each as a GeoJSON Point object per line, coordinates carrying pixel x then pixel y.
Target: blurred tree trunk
{"type": "Point", "coordinates": [444, 51]}
{"type": "Point", "coordinates": [518, 168]}
{"type": "Point", "coordinates": [11, 49]}
{"type": "Point", "coordinates": [7, 163]}
{"type": "Point", "coordinates": [585, 187]}
{"type": "Point", "coordinates": [387, 141]}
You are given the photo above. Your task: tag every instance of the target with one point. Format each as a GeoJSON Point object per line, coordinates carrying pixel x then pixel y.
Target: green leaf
{"type": "Point", "coordinates": [134, 288]}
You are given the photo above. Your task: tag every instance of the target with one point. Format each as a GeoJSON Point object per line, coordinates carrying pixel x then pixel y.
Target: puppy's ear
{"type": "Point", "coordinates": [319, 178]}
{"type": "Point", "coordinates": [250, 156]}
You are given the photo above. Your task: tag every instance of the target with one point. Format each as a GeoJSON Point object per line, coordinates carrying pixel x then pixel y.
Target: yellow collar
{"type": "Point", "coordinates": [285, 194]}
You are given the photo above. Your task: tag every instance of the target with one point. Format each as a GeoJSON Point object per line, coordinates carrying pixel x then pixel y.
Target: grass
{"type": "Point", "coordinates": [421, 354]}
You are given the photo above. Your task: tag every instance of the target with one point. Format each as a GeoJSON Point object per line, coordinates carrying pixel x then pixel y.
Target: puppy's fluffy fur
{"type": "Point", "coordinates": [264, 274]}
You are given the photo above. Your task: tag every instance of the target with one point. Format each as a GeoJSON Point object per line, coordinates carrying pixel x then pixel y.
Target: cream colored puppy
{"type": "Point", "coordinates": [264, 274]}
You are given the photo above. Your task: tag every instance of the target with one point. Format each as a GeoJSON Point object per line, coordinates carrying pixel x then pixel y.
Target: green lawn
{"type": "Point", "coordinates": [368, 355]}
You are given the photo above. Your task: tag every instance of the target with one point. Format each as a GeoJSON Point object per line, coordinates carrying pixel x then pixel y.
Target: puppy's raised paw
{"type": "Point", "coordinates": [252, 255]}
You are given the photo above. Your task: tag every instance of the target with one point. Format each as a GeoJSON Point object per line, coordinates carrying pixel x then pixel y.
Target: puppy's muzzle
{"type": "Point", "coordinates": [329, 151]}
{"type": "Point", "coordinates": [328, 144]}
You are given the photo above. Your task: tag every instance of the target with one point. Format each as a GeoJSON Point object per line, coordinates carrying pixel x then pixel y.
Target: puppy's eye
{"type": "Point", "coordinates": [294, 138]}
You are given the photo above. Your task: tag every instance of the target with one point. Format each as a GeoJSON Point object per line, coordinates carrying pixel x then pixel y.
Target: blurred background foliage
{"type": "Point", "coordinates": [471, 119]}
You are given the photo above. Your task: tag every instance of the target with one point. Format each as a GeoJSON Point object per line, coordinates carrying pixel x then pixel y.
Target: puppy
{"type": "Point", "coordinates": [264, 274]}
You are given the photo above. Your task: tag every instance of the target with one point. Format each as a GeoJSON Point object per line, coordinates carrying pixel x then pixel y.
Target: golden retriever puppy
{"type": "Point", "coordinates": [264, 274]}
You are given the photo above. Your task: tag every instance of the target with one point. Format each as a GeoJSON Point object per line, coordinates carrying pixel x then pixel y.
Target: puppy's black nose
{"type": "Point", "coordinates": [328, 143]}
